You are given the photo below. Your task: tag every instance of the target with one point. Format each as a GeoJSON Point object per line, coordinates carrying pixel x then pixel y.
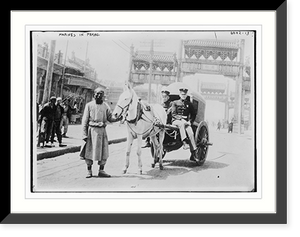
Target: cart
{"type": "Point", "coordinates": [172, 140]}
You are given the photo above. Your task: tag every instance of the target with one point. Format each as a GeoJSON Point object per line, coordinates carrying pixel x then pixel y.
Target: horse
{"type": "Point", "coordinates": [141, 120]}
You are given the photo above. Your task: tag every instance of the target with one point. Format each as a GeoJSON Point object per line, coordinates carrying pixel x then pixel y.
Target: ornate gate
{"type": "Point", "coordinates": [196, 56]}
{"type": "Point", "coordinates": [221, 58]}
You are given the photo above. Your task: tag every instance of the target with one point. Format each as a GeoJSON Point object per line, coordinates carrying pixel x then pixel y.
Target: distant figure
{"type": "Point", "coordinates": [230, 127]}
{"type": "Point", "coordinates": [46, 121]}
{"type": "Point", "coordinates": [219, 125]}
{"type": "Point", "coordinates": [74, 112]}
{"type": "Point", "coordinates": [57, 122]}
{"type": "Point", "coordinates": [66, 117]}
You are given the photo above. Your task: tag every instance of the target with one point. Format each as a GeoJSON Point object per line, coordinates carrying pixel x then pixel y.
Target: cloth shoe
{"type": "Point", "coordinates": [89, 174]}
{"type": "Point", "coordinates": [103, 174]}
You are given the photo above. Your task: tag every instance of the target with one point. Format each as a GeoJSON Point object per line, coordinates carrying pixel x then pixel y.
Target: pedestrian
{"type": "Point", "coordinates": [59, 110]}
{"type": "Point", "coordinates": [230, 127]}
{"type": "Point", "coordinates": [75, 107]}
{"type": "Point", "coordinates": [95, 117]}
{"type": "Point", "coordinates": [219, 125]}
{"type": "Point", "coordinates": [66, 117]}
{"type": "Point", "coordinates": [183, 116]}
{"type": "Point", "coordinates": [74, 113]}
{"type": "Point", "coordinates": [46, 121]}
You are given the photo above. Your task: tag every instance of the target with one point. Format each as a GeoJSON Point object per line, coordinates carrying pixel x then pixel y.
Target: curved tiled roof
{"type": "Point", "coordinates": [157, 56]}
{"type": "Point", "coordinates": [213, 43]}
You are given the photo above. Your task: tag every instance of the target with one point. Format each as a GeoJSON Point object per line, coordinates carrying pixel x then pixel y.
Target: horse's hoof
{"type": "Point", "coordinates": [141, 172]}
{"type": "Point", "coordinates": [124, 171]}
{"type": "Point", "coordinates": [161, 167]}
{"type": "Point", "coordinates": [152, 165]}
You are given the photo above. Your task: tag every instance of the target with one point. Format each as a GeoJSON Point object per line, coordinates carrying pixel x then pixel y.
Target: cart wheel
{"type": "Point", "coordinates": [201, 139]}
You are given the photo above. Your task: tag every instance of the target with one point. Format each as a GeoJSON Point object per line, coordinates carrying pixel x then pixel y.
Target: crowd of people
{"type": "Point", "coordinates": [53, 120]}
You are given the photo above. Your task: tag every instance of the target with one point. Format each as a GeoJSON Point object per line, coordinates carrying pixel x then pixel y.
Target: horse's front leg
{"type": "Point", "coordinates": [160, 148]}
{"type": "Point", "coordinates": [139, 152]}
{"type": "Point", "coordinates": [129, 144]}
{"type": "Point", "coordinates": [153, 141]}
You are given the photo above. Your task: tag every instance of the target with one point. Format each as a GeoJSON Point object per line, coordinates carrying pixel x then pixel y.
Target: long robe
{"type": "Point", "coordinates": [96, 147]}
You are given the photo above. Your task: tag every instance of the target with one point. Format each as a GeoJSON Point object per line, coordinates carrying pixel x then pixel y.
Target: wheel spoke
{"type": "Point", "coordinates": [202, 149]}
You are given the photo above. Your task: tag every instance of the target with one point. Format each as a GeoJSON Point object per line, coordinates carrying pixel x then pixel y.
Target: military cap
{"type": "Point", "coordinates": [166, 92]}
{"type": "Point", "coordinates": [185, 90]}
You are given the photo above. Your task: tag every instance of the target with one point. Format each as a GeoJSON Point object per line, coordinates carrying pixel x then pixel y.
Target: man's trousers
{"type": "Point", "coordinates": [183, 129]}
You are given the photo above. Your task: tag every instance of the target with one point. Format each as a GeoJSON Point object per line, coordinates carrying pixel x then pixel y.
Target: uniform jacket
{"type": "Point", "coordinates": [167, 105]}
{"type": "Point", "coordinates": [183, 110]}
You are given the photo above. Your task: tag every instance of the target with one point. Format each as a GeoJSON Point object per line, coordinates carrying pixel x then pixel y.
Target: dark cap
{"type": "Point", "coordinates": [185, 90]}
{"type": "Point", "coordinates": [52, 98]}
{"type": "Point", "coordinates": [166, 92]}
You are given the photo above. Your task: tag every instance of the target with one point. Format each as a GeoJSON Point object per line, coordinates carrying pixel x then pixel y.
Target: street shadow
{"type": "Point", "coordinates": [211, 165]}
{"type": "Point", "coordinates": [181, 167]}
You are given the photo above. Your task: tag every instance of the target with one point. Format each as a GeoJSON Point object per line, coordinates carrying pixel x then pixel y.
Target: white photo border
{"type": "Point", "coordinates": [205, 204]}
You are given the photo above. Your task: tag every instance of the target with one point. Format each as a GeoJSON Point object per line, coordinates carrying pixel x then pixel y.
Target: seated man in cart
{"type": "Point", "coordinates": [167, 106]}
{"type": "Point", "coordinates": [167, 103]}
{"type": "Point", "coordinates": [183, 116]}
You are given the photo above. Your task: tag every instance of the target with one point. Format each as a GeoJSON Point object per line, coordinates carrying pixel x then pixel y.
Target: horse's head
{"type": "Point", "coordinates": [124, 102]}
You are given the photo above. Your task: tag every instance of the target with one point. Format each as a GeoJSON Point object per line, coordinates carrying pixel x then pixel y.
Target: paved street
{"type": "Point", "coordinates": [229, 167]}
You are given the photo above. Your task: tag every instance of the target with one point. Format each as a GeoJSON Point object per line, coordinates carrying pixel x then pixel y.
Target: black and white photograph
{"type": "Point", "coordinates": [144, 111]}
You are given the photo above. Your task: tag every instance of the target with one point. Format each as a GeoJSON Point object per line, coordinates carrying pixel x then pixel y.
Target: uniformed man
{"type": "Point", "coordinates": [183, 115]}
{"type": "Point", "coordinates": [165, 94]}
{"type": "Point", "coordinates": [166, 100]}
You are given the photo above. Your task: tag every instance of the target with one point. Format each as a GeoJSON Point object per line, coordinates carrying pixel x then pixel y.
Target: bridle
{"type": "Point", "coordinates": [125, 107]}
{"type": "Point", "coordinates": [124, 110]}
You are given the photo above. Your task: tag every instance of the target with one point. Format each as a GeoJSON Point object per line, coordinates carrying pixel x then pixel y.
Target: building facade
{"type": "Point", "coordinates": [73, 80]}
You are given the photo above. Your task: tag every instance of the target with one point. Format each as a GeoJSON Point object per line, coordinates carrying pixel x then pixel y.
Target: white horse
{"type": "Point", "coordinates": [141, 124]}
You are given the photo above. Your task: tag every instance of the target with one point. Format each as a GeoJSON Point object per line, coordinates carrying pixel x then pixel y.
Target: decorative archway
{"type": "Point", "coordinates": [196, 56]}
{"type": "Point", "coordinates": [220, 58]}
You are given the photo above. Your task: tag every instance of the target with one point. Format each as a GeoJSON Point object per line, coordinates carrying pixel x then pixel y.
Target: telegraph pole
{"type": "Point", "coordinates": [150, 71]}
{"type": "Point", "coordinates": [86, 53]}
{"type": "Point", "coordinates": [130, 62]}
{"type": "Point", "coordinates": [48, 80]}
{"type": "Point", "coordinates": [238, 93]}
{"type": "Point", "coordinates": [178, 76]}
{"type": "Point", "coordinates": [64, 71]}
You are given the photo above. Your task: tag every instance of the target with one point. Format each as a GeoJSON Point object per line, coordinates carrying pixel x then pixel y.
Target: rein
{"type": "Point", "coordinates": [126, 106]}
{"type": "Point", "coordinates": [137, 118]}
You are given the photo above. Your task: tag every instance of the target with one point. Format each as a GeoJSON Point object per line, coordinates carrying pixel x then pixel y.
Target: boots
{"type": "Point", "coordinates": [102, 173]}
{"type": "Point", "coordinates": [89, 172]}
